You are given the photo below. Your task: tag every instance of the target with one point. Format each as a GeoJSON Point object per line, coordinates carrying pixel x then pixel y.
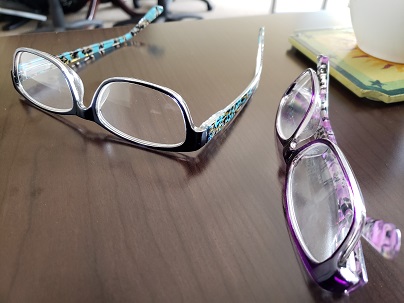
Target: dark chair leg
{"type": "Point", "coordinates": [167, 16]}
{"type": "Point", "coordinates": [56, 12]}
{"type": "Point", "coordinates": [125, 8]}
{"type": "Point", "coordinates": [58, 19]}
{"type": "Point", "coordinates": [16, 22]}
{"type": "Point", "coordinates": [208, 4]}
{"type": "Point", "coordinates": [92, 8]}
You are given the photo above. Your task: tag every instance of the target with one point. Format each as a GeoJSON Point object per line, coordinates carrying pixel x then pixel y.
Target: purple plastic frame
{"type": "Point", "coordinates": [344, 271]}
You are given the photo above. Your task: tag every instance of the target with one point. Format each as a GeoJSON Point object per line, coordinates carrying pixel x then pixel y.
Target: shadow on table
{"type": "Point", "coordinates": [194, 163]}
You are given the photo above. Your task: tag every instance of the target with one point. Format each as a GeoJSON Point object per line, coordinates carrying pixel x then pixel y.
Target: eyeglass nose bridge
{"type": "Point", "coordinates": [86, 113]}
{"type": "Point", "coordinates": [292, 147]}
{"type": "Point", "coordinates": [289, 152]}
{"type": "Point", "coordinates": [15, 79]}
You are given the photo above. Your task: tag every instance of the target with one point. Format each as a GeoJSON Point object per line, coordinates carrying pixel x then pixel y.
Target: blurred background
{"type": "Point", "coordinates": [22, 16]}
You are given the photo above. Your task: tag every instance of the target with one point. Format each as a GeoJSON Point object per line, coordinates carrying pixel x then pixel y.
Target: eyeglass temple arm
{"type": "Point", "coordinates": [323, 74]}
{"type": "Point", "coordinates": [383, 236]}
{"type": "Point", "coordinates": [223, 117]}
{"type": "Point", "coordinates": [85, 53]}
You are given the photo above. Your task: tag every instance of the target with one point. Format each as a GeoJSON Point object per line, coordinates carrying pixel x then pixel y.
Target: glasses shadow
{"type": "Point", "coordinates": [193, 163]}
{"type": "Point", "coordinates": [319, 294]}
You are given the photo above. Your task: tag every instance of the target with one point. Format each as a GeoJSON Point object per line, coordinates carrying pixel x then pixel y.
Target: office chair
{"type": "Point", "coordinates": [121, 4]}
{"type": "Point", "coordinates": [57, 11]}
{"type": "Point", "coordinates": [166, 16]}
{"type": "Point", "coordinates": [38, 10]}
{"type": "Point", "coordinates": [208, 4]}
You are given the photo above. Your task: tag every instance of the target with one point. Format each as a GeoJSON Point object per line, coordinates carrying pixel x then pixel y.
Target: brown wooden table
{"type": "Point", "coordinates": [86, 219]}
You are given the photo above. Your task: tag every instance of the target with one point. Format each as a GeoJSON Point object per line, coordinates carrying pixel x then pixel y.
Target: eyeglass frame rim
{"type": "Point", "coordinates": [195, 137]}
{"type": "Point", "coordinates": [306, 119]}
{"type": "Point", "coordinates": [354, 234]}
{"type": "Point", "coordinates": [346, 247]}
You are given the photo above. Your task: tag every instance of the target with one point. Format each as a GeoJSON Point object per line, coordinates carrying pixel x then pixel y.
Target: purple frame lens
{"type": "Point", "coordinates": [307, 123]}
{"type": "Point", "coordinates": [342, 268]}
{"type": "Point", "coordinates": [329, 271]}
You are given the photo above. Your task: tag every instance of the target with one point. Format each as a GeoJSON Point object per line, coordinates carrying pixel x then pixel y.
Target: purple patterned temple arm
{"type": "Point", "coordinates": [79, 55]}
{"type": "Point", "coordinates": [383, 236]}
{"type": "Point", "coordinates": [323, 68]}
{"type": "Point", "coordinates": [223, 117]}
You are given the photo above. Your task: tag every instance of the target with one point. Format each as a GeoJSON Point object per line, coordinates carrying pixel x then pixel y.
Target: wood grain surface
{"type": "Point", "coordinates": [84, 218]}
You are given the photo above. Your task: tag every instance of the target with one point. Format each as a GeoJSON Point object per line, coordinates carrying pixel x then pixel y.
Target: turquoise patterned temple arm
{"type": "Point", "coordinates": [223, 117]}
{"type": "Point", "coordinates": [89, 52]}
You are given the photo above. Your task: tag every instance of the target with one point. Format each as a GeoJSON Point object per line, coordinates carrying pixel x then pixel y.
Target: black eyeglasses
{"type": "Point", "coordinates": [141, 112]}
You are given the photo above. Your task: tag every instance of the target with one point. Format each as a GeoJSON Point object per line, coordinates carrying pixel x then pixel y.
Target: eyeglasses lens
{"type": "Point", "coordinates": [295, 105]}
{"type": "Point", "coordinates": [141, 112]}
{"type": "Point", "coordinates": [44, 82]}
{"type": "Point", "coordinates": [319, 200]}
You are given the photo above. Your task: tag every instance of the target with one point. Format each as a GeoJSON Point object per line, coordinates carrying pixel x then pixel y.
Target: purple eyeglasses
{"type": "Point", "coordinates": [323, 203]}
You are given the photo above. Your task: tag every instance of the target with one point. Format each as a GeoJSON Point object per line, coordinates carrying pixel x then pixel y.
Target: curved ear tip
{"type": "Point", "coordinates": [159, 8]}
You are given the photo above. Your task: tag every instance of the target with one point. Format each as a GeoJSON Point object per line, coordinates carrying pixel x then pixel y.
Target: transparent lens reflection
{"type": "Point", "coordinates": [294, 106]}
{"type": "Point", "coordinates": [320, 201]}
{"type": "Point", "coordinates": [44, 82]}
{"type": "Point", "coordinates": [142, 113]}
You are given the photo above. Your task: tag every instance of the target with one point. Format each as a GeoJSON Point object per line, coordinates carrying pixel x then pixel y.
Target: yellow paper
{"type": "Point", "coordinates": [361, 73]}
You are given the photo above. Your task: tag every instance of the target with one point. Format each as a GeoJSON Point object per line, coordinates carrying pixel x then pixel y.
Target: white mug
{"type": "Point", "coordinates": [379, 28]}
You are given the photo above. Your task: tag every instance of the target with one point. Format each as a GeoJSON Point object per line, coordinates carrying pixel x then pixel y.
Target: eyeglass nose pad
{"type": "Point", "coordinates": [313, 123]}
{"type": "Point", "coordinates": [353, 270]}
{"type": "Point", "coordinates": [103, 95]}
{"type": "Point", "coordinates": [298, 113]}
{"type": "Point", "coordinates": [78, 86]}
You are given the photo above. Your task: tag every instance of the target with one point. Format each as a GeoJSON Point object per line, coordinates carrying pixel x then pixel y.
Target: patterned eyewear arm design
{"type": "Point", "coordinates": [86, 53]}
{"type": "Point", "coordinates": [384, 237]}
{"type": "Point", "coordinates": [323, 74]}
{"type": "Point", "coordinates": [223, 117]}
